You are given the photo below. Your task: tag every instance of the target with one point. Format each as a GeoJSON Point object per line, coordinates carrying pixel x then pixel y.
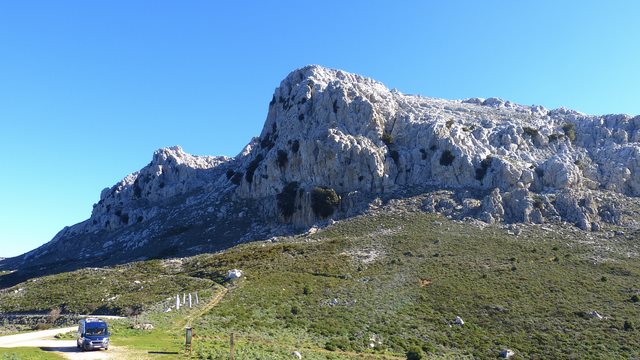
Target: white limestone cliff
{"type": "Point", "coordinates": [334, 143]}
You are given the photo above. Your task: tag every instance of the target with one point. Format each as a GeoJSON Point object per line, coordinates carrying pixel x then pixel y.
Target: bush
{"type": "Point", "coordinates": [307, 290]}
{"type": "Point", "coordinates": [236, 178]}
{"type": "Point", "coordinates": [253, 165]}
{"type": "Point", "coordinates": [484, 166]}
{"type": "Point", "coordinates": [538, 203]}
{"type": "Point", "coordinates": [54, 315]}
{"type": "Point", "coordinates": [635, 298]}
{"type": "Point", "coordinates": [415, 353]}
{"type": "Point", "coordinates": [395, 155]}
{"type": "Point", "coordinates": [447, 158]}
{"type": "Point", "coordinates": [282, 158]}
{"type": "Point", "coordinates": [324, 201]}
{"type": "Point", "coordinates": [570, 131]}
{"type": "Point", "coordinates": [628, 326]}
{"type": "Point", "coordinates": [387, 139]}
{"type": "Point", "coordinates": [287, 199]}
{"type": "Point", "coordinates": [295, 146]}
{"type": "Point", "coordinates": [449, 124]}
{"type": "Point", "coordinates": [555, 137]}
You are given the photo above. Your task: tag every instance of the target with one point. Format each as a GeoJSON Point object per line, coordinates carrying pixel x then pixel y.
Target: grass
{"type": "Point", "coordinates": [101, 290]}
{"type": "Point", "coordinates": [377, 286]}
{"type": "Point", "coordinates": [28, 354]}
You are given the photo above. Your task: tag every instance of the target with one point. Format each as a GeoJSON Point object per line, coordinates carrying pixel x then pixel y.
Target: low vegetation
{"type": "Point", "coordinates": [100, 290]}
{"type": "Point", "coordinates": [391, 286]}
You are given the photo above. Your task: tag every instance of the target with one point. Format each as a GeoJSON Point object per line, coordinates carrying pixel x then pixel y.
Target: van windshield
{"type": "Point", "coordinates": [97, 331]}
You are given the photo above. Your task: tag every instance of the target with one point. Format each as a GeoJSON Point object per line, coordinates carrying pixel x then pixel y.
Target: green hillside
{"type": "Point", "coordinates": [379, 286]}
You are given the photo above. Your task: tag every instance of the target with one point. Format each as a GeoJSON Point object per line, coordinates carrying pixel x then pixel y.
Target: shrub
{"type": "Point", "coordinates": [287, 199]}
{"type": "Point", "coordinates": [449, 124]}
{"type": "Point", "coordinates": [253, 165]}
{"type": "Point", "coordinates": [570, 131]}
{"type": "Point", "coordinates": [324, 201]}
{"type": "Point", "coordinates": [484, 166]}
{"type": "Point", "coordinates": [295, 146]}
{"type": "Point", "coordinates": [447, 158]}
{"type": "Point", "coordinates": [307, 290]}
{"type": "Point", "coordinates": [415, 353]}
{"type": "Point", "coordinates": [628, 326]}
{"type": "Point", "coordinates": [295, 310]}
{"type": "Point", "coordinates": [635, 298]}
{"type": "Point", "coordinates": [530, 131]}
{"type": "Point", "coordinates": [555, 137]}
{"type": "Point", "coordinates": [282, 158]}
{"type": "Point", "coordinates": [236, 178]}
{"type": "Point", "coordinates": [395, 155]}
{"type": "Point", "coordinates": [54, 315]}
{"type": "Point", "coordinates": [387, 139]}
{"type": "Point", "coordinates": [538, 203]}
{"type": "Point", "coordinates": [268, 141]}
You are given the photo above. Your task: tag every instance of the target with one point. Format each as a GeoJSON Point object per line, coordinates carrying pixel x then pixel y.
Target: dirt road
{"type": "Point", "coordinates": [44, 340]}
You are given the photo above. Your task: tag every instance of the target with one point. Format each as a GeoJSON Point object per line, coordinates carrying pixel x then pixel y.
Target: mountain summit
{"type": "Point", "coordinates": [334, 145]}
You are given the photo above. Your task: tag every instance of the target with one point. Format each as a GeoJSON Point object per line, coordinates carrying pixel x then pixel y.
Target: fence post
{"type": "Point", "coordinates": [232, 347]}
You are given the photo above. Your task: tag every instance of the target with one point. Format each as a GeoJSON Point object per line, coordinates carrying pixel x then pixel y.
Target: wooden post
{"type": "Point", "coordinates": [232, 348]}
{"type": "Point", "coordinates": [188, 339]}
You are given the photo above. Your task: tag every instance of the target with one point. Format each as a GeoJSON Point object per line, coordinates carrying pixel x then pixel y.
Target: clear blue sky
{"type": "Point", "coordinates": [89, 89]}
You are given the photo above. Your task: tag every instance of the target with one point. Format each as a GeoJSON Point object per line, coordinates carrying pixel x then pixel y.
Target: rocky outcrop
{"type": "Point", "coordinates": [333, 142]}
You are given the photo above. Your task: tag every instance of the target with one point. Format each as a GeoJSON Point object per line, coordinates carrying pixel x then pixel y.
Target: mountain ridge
{"type": "Point", "coordinates": [333, 145]}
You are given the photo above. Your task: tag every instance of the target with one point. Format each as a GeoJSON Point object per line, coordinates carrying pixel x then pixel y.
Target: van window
{"type": "Point", "coordinates": [97, 331]}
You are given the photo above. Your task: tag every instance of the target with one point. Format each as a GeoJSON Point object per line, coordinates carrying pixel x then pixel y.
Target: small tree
{"type": "Point", "coordinates": [54, 315]}
{"type": "Point", "coordinates": [133, 311]}
{"type": "Point", "coordinates": [570, 131]}
{"type": "Point", "coordinates": [415, 353]}
{"type": "Point", "coordinates": [324, 201]}
{"type": "Point", "coordinates": [387, 139]}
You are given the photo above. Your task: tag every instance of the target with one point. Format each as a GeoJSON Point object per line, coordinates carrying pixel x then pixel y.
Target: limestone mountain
{"type": "Point", "coordinates": [334, 145]}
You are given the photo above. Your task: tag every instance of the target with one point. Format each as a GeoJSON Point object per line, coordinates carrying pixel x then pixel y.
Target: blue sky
{"type": "Point", "coordinates": [89, 89]}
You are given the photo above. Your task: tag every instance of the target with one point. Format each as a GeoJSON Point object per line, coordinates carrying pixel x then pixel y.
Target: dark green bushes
{"type": "Point", "coordinates": [447, 158]}
{"type": "Point", "coordinates": [570, 131]}
{"type": "Point", "coordinates": [282, 159]}
{"type": "Point", "coordinates": [253, 165]}
{"type": "Point", "coordinates": [287, 199]}
{"type": "Point", "coordinates": [387, 139]}
{"type": "Point", "coordinates": [415, 353]}
{"type": "Point", "coordinates": [324, 201]}
{"type": "Point", "coordinates": [484, 166]}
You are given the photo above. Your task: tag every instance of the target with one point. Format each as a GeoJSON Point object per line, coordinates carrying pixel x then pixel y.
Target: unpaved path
{"type": "Point", "coordinates": [44, 340]}
{"type": "Point", "coordinates": [36, 337]}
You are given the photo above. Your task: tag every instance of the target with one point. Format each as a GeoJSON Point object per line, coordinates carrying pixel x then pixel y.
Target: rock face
{"type": "Point", "coordinates": [332, 143]}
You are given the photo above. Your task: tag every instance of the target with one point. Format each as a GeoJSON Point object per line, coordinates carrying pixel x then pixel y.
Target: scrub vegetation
{"type": "Point", "coordinates": [391, 286]}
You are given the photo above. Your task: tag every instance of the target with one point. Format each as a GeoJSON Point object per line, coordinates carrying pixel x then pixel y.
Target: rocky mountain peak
{"type": "Point", "coordinates": [336, 144]}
